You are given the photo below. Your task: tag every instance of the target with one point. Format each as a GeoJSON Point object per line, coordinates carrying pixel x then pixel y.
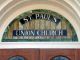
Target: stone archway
{"type": "Point", "coordinates": [58, 6]}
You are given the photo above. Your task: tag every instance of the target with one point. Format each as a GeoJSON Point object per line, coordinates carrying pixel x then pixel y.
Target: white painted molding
{"type": "Point", "coordinates": [55, 45]}
{"type": "Point", "coordinates": [4, 3]}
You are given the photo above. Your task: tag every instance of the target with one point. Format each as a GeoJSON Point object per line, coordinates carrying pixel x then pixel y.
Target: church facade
{"type": "Point", "coordinates": [39, 30]}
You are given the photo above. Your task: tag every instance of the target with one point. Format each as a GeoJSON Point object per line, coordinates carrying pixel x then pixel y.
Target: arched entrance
{"type": "Point", "coordinates": [56, 6]}
{"type": "Point", "coordinates": [17, 7]}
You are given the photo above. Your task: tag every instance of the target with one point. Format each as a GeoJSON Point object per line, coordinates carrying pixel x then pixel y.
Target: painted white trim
{"type": "Point", "coordinates": [4, 3]}
{"type": "Point", "coordinates": [59, 45]}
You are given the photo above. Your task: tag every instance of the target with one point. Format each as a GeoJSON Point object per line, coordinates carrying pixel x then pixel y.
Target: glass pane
{"type": "Point", "coordinates": [60, 58]}
{"type": "Point", "coordinates": [17, 58]}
